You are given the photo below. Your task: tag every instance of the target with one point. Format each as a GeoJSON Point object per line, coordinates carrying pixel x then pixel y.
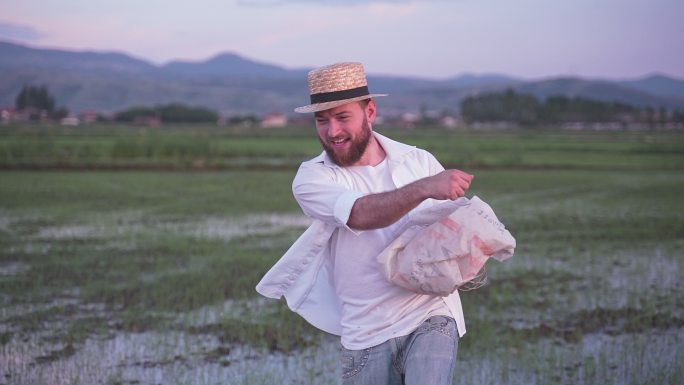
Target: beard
{"type": "Point", "coordinates": [356, 150]}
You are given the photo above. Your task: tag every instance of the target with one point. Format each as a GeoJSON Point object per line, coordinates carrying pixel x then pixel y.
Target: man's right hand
{"type": "Point", "coordinates": [448, 184]}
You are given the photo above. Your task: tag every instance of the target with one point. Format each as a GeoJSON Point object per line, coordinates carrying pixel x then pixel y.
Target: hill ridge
{"type": "Point", "coordinates": [231, 83]}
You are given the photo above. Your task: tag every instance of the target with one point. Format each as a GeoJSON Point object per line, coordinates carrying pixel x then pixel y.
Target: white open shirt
{"type": "Point", "coordinates": [304, 275]}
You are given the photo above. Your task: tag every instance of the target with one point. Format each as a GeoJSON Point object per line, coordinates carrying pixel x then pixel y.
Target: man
{"type": "Point", "coordinates": [359, 192]}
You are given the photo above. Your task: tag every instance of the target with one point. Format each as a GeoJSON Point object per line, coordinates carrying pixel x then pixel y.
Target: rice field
{"type": "Point", "coordinates": [146, 276]}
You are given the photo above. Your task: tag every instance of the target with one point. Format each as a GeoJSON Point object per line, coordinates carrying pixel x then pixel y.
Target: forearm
{"type": "Point", "coordinates": [383, 209]}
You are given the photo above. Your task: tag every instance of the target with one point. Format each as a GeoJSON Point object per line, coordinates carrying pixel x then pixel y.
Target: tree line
{"type": "Point", "coordinates": [171, 113]}
{"type": "Point", "coordinates": [525, 109]}
{"type": "Point", "coordinates": [37, 103]}
{"type": "Point", "coordinates": [522, 109]}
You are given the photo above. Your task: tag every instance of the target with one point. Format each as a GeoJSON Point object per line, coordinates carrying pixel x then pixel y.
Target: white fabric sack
{"type": "Point", "coordinates": [445, 246]}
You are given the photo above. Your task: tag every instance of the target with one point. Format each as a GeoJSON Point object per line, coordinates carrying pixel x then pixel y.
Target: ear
{"type": "Point", "coordinates": [371, 111]}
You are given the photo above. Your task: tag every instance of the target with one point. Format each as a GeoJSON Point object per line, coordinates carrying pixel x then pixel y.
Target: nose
{"type": "Point", "coordinates": [334, 128]}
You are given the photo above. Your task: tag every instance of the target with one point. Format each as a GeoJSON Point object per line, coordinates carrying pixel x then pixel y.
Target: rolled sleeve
{"type": "Point", "coordinates": [343, 207]}
{"type": "Point", "coordinates": [322, 196]}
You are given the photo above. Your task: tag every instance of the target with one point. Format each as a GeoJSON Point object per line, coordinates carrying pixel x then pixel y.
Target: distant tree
{"type": "Point", "coordinates": [561, 109]}
{"type": "Point", "coordinates": [662, 115]}
{"type": "Point", "coordinates": [130, 114]}
{"type": "Point", "coordinates": [508, 106]}
{"type": "Point", "coordinates": [36, 97]}
{"type": "Point", "coordinates": [60, 113]}
{"type": "Point", "coordinates": [182, 113]}
{"type": "Point", "coordinates": [648, 115]}
{"type": "Point", "coordinates": [39, 103]}
{"type": "Point", "coordinates": [557, 108]}
{"type": "Point", "coordinates": [171, 113]}
{"type": "Point", "coordinates": [526, 110]}
{"type": "Point", "coordinates": [243, 120]}
{"type": "Point", "coordinates": [425, 117]}
{"type": "Point", "coordinates": [677, 116]}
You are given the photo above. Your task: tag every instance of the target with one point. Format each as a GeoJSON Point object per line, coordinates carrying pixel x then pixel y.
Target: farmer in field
{"type": "Point", "coordinates": [358, 192]}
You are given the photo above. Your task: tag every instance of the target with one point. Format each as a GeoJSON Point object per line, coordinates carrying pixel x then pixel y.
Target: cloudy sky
{"type": "Point", "coordinates": [428, 38]}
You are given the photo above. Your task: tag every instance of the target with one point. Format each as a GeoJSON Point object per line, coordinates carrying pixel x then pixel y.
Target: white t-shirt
{"type": "Point", "coordinates": [374, 310]}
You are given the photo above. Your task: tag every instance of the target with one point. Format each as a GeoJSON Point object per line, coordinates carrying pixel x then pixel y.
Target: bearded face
{"type": "Point", "coordinates": [351, 152]}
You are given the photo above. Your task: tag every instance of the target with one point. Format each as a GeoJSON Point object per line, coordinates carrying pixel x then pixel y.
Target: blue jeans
{"type": "Point", "coordinates": [426, 356]}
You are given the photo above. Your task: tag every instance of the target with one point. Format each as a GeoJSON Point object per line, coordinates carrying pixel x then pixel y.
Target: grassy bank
{"type": "Point", "coordinates": [210, 147]}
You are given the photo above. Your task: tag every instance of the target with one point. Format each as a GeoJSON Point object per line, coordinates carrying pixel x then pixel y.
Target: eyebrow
{"type": "Point", "coordinates": [320, 114]}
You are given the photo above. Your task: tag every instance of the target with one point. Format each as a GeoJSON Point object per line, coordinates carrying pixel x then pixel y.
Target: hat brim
{"type": "Point", "coordinates": [328, 105]}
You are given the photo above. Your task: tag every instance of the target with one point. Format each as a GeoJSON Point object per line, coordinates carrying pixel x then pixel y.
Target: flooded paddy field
{"type": "Point", "coordinates": [142, 277]}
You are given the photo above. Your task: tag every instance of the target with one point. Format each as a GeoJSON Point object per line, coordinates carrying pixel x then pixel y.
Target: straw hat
{"type": "Point", "coordinates": [335, 85]}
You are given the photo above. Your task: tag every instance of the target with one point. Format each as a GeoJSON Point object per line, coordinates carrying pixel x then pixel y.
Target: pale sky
{"type": "Point", "coordinates": [613, 39]}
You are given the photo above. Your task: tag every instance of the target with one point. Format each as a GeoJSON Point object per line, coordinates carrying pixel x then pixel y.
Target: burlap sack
{"type": "Point", "coordinates": [446, 246]}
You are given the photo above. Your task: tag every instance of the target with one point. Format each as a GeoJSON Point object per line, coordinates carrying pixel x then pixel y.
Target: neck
{"type": "Point", "coordinates": [373, 155]}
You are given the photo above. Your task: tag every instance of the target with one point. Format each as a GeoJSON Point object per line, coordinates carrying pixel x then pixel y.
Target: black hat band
{"type": "Point", "coordinates": [325, 97]}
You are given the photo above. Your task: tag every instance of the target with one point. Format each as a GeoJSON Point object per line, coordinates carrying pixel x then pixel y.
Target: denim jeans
{"type": "Point", "coordinates": [426, 356]}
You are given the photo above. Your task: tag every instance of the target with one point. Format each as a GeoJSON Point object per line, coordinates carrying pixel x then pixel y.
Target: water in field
{"type": "Point", "coordinates": [170, 357]}
{"type": "Point", "coordinates": [162, 357]}
{"type": "Point", "coordinates": [158, 287]}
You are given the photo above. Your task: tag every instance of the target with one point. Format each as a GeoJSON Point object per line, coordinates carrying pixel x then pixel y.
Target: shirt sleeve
{"type": "Point", "coordinates": [321, 196]}
{"type": "Point", "coordinates": [434, 166]}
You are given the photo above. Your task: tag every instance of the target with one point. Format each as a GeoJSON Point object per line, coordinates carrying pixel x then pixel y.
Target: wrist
{"type": "Point", "coordinates": [421, 191]}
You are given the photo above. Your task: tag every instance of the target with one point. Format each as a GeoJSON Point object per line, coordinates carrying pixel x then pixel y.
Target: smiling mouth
{"type": "Point", "coordinates": [338, 142]}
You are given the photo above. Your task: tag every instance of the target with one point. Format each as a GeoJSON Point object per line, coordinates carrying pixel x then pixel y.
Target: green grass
{"type": "Point", "coordinates": [169, 261]}
{"type": "Point", "coordinates": [211, 147]}
{"type": "Point", "coordinates": [552, 149]}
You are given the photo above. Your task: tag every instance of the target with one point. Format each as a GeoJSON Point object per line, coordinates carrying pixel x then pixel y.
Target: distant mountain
{"type": "Point", "coordinates": [657, 85]}
{"type": "Point", "coordinates": [232, 84]}
{"type": "Point", "coordinates": [472, 80]}
{"type": "Point", "coordinates": [15, 57]}
{"type": "Point", "coordinates": [227, 64]}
